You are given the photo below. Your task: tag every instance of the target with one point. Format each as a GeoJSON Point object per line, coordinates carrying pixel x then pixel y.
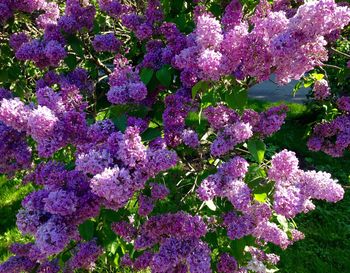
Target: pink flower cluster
{"type": "Point", "coordinates": [289, 47]}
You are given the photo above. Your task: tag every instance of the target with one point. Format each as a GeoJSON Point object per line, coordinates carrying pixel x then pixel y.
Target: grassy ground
{"type": "Point", "coordinates": [11, 195]}
{"type": "Point", "coordinates": [327, 229]}
{"type": "Point", "coordinates": [326, 248]}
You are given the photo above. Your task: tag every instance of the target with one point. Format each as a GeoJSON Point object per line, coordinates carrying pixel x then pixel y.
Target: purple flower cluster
{"type": "Point", "coordinates": [274, 44]}
{"type": "Point", "coordinates": [9, 7]}
{"type": "Point", "coordinates": [52, 214]}
{"type": "Point", "coordinates": [227, 264]}
{"type": "Point", "coordinates": [78, 16]}
{"type": "Point", "coordinates": [321, 90]}
{"type": "Point", "coordinates": [124, 230]}
{"type": "Point", "coordinates": [57, 121]}
{"type": "Point", "coordinates": [190, 138]}
{"type": "Point", "coordinates": [125, 82]}
{"type": "Point", "coordinates": [14, 113]}
{"type": "Point", "coordinates": [180, 247]}
{"type": "Point", "coordinates": [146, 203]}
{"type": "Point", "coordinates": [343, 104]}
{"type": "Point", "coordinates": [295, 188]}
{"type": "Point", "coordinates": [228, 182]}
{"type": "Point", "coordinates": [144, 26]}
{"type": "Point", "coordinates": [332, 137]}
{"type": "Point", "coordinates": [153, 58]}
{"type": "Point", "coordinates": [120, 163]}
{"type": "Point", "coordinates": [42, 53]}
{"type": "Point", "coordinates": [234, 129]}
{"type": "Point", "coordinates": [17, 40]}
{"type": "Point", "coordinates": [113, 7]}
{"type": "Point", "coordinates": [106, 42]}
{"type": "Point", "coordinates": [230, 136]}
{"type": "Point", "coordinates": [85, 256]}
{"type": "Point", "coordinates": [159, 191]}
{"type": "Point", "coordinates": [159, 53]}
{"type": "Point", "coordinates": [180, 224]}
{"type": "Point", "coordinates": [16, 153]}
{"type": "Point", "coordinates": [255, 221]}
{"type": "Point", "coordinates": [178, 106]}
{"type": "Point", "coordinates": [50, 16]}
{"type": "Point", "coordinates": [17, 264]}
{"type": "Point", "coordinates": [141, 124]}
{"type": "Point", "coordinates": [233, 15]}
{"type": "Point", "coordinates": [202, 59]}
{"type": "Point", "coordinates": [260, 255]}
{"type": "Point", "coordinates": [183, 255]}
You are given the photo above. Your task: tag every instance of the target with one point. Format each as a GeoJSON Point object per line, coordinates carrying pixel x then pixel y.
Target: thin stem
{"type": "Point", "coordinates": [324, 71]}
{"type": "Point", "coordinates": [340, 52]}
{"type": "Point", "coordinates": [332, 66]}
{"type": "Point", "coordinates": [98, 62]}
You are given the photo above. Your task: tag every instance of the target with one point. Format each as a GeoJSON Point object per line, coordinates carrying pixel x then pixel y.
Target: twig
{"type": "Point", "coordinates": [191, 190]}
{"type": "Point", "coordinates": [96, 60]}
{"type": "Point", "coordinates": [101, 65]}
{"type": "Point", "coordinates": [332, 66]}
{"type": "Point", "coordinates": [340, 52]}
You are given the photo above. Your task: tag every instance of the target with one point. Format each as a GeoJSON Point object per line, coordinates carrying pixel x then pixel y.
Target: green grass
{"type": "Point", "coordinates": [326, 247]}
{"type": "Point", "coordinates": [11, 195]}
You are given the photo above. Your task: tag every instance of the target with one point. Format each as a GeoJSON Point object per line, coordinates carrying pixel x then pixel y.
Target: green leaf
{"type": "Point", "coordinates": [71, 61]}
{"type": "Point", "coordinates": [150, 134]}
{"type": "Point", "coordinates": [237, 99]}
{"type": "Point", "coordinates": [308, 83]}
{"type": "Point", "coordinates": [257, 148]}
{"type": "Point", "coordinates": [146, 75]}
{"type": "Point", "coordinates": [216, 9]}
{"type": "Point", "coordinates": [237, 248]}
{"type": "Point", "coordinates": [317, 76]}
{"type": "Point", "coordinates": [116, 260]}
{"type": "Point", "coordinates": [120, 122]}
{"type": "Point", "coordinates": [260, 197]}
{"type": "Point", "coordinates": [113, 247]}
{"type": "Point", "coordinates": [77, 45]}
{"type": "Point", "coordinates": [201, 86]}
{"type": "Point", "coordinates": [86, 230]}
{"type": "Point", "coordinates": [164, 76]}
{"type": "Point", "coordinates": [297, 87]}
{"type": "Point", "coordinates": [210, 204]}
{"type": "Point", "coordinates": [101, 115]}
{"type": "Point", "coordinates": [14, 72]}
{"type": "Point", "coordinates": [176, 6]}
{"type": "Point", "coordinates": [4, 75]}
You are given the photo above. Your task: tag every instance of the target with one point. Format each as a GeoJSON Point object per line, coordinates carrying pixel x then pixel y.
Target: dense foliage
{"type": "Point", "coordinates": [130, 120]}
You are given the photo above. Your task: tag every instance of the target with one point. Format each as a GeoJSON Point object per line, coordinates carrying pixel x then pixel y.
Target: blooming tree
{"type": "Point", "coordinates": [133, 127]}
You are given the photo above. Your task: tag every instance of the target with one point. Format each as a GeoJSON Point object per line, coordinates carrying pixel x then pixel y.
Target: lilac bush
{"type": "Point", "coordinates": [135, 132]}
